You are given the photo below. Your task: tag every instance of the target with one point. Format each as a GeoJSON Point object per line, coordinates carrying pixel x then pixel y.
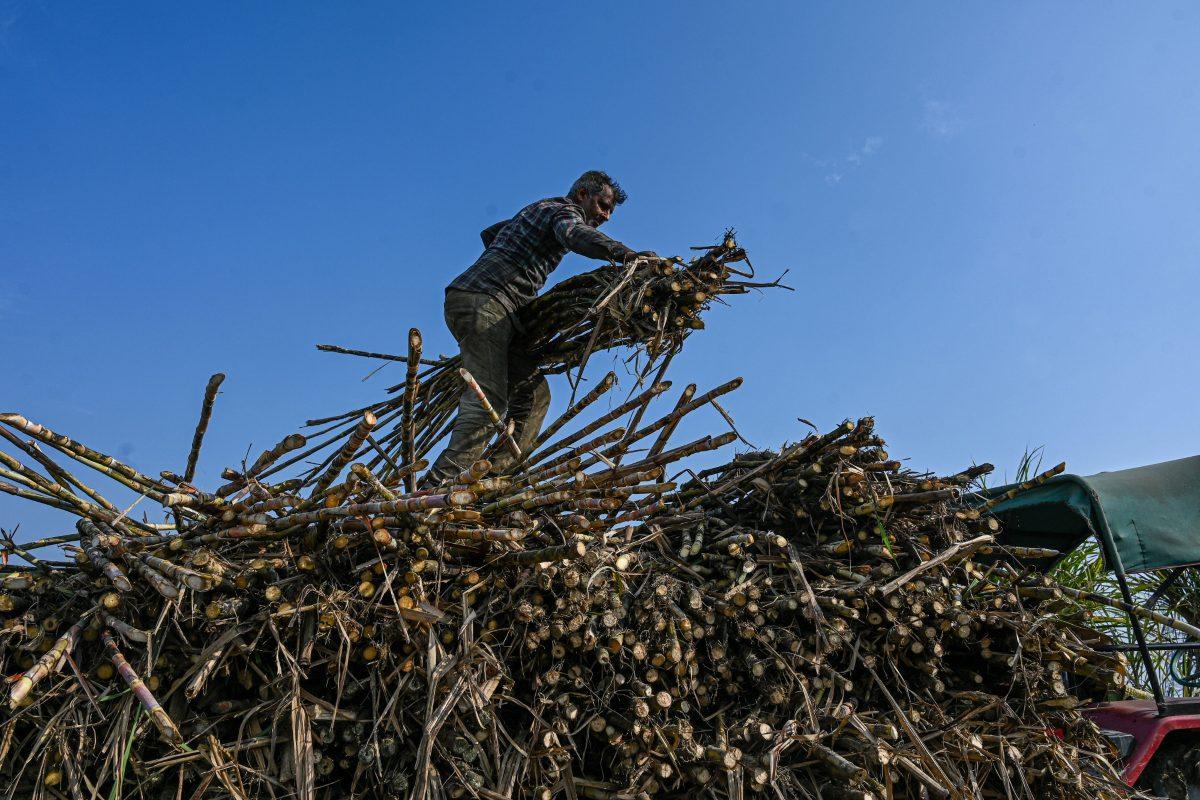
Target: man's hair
{"type": "Point", "coordinates": [593, 182]}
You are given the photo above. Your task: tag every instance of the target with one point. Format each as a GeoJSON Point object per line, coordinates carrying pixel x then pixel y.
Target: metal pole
{"type": "Point", "coordinates": [1166, 584]}
{"type": "Point", "coordinates": [1114, 560]}
{"type": "Point", "coordinates": [1155, 647]}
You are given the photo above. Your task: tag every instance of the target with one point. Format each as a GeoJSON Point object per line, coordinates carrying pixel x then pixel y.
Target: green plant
{"type": "Point", "coordinates": [1084, 569]}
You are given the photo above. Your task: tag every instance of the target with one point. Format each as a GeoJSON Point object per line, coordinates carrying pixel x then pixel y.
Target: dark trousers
{"type": "Point", "coordinates": [492, 347]}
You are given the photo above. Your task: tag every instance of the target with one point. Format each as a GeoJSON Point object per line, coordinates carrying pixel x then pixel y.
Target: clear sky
{"type": "Point", "coordinates": [989, 210]}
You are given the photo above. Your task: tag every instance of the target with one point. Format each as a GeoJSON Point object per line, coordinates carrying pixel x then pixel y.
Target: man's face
{"type": "Point", "coordinates": [597, 208]}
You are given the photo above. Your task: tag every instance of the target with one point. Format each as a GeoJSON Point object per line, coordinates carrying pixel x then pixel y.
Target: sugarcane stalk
{"type": "Point", "coordinates": [561, 552]}
{"type": "Point", "coordinates": [16, 471]}
{"type": "Point", "coordinates": [37, 497]}
{"type": "Point", "coordinates": [484, 534]}
{"type": "Point", "coordinates": [57, 471]}
{"type": "Point", "coordinates": [474, 473]}
{"type": "Point", "coordinates": [282, 465]}
{"type": "Point", "coordinates": [599, 423]}
{"type": "Point", "coordinates": [348, 451]}
{"type": "Point", "coordinates": [333, 348]}
{"type": "Point", "coordinates": [124, 628]}
{"type": "Point", "coordinates": [197, 581]}
{"type": "Point", "coordinates": [7, 545]}
{"type": "Point", "coordinates": [165, 726]}
{"type": "Point", "coordinates": [606, 383]}
{"type": "Point", "coordinates": [951, 554]}
{"type": "Point", "coordinates": [497, 423]}
{"type": "Point", "coordinates": [89, 536]}
{"type": "Point", "coordinates": [1138, 611]}
{"type": "Point", "coordinates": [206, 407]}
{"type": "Point", "coordinates": [678, 414]}
{"type": "Point", "coordinates": [665, 434]}
{"type": "Point", "coordinates": [289, 443]}
{"type": "Point", "coordinates": [548, 474]}
{"type": "Point", "coordinates": [160, 584]}
{"type": "Point", "coordinates": [50, 662]}
{"type": "Point", "coordinates": [410, 396]}
{"type": "Point", "coordinates": [701, 445]}
{"type": "Point", "coordinates": [369, 478]}
{"type": "Point", "coordinates": [1024, 486]}
{"type": "Point", "coordinates": [79, 451]}
{"type": "Point", "coordinates": [586, 447]}
{"type": "Point", "coordinates": [790, 454]}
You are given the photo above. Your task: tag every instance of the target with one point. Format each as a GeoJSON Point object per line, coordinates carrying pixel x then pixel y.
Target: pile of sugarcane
{"type": "Point", "coordinates": [594, 621]}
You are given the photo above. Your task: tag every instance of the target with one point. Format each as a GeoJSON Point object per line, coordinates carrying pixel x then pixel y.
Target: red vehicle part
{"type": "Point", "coordinates": [1141, 719]}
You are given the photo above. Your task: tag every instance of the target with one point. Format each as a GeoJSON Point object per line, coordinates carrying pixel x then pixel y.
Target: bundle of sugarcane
{"type": "Point", "coordinates": [815, 622]}
{"type": "Point", "coordinates": [649, 304]}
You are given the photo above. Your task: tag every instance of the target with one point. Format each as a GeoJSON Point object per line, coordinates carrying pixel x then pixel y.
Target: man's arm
{"type": "Point", "coordinates": [579, 237]}
{"type": "Point", "coordinates": [489, 233]}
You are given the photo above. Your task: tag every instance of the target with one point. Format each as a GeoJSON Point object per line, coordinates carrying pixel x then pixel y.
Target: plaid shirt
{"type": "Point", "coordinates": [521, 252]}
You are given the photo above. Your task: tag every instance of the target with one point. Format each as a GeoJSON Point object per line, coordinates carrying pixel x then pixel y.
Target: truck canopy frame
{"type": "Point", "coordinates": [1146, 518]}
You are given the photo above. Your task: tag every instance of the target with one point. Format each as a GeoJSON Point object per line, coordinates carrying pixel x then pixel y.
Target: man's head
{"type": "Point", "coordinates": [598, 194]}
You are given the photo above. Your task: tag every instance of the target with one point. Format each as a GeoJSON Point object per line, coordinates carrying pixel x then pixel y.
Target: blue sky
{"type": "Point", "coordinates": [989, 210]}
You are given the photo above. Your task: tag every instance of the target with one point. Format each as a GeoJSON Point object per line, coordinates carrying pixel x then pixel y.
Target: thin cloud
{"type": "Point", "coordinates": [851, 161]}
{"type": "Point", "coordinates": [941, 120]}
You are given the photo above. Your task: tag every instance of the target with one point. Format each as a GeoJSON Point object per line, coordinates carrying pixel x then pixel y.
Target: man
{"type": "Point", "coordinates": [482, 305]}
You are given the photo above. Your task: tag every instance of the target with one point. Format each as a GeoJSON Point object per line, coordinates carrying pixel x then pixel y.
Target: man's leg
{"type": "Point", "coordinates": [484, 332]}
{"type": "Point", "coordinates": [529, 394]}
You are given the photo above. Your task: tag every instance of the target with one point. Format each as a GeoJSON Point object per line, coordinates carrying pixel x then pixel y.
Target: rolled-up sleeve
{"type": "Point", "coordinates": [579, 237]}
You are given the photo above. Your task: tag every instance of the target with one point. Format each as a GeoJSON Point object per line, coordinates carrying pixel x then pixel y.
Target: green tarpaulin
{"type": "Point", "coordinates": [1150, 514]}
